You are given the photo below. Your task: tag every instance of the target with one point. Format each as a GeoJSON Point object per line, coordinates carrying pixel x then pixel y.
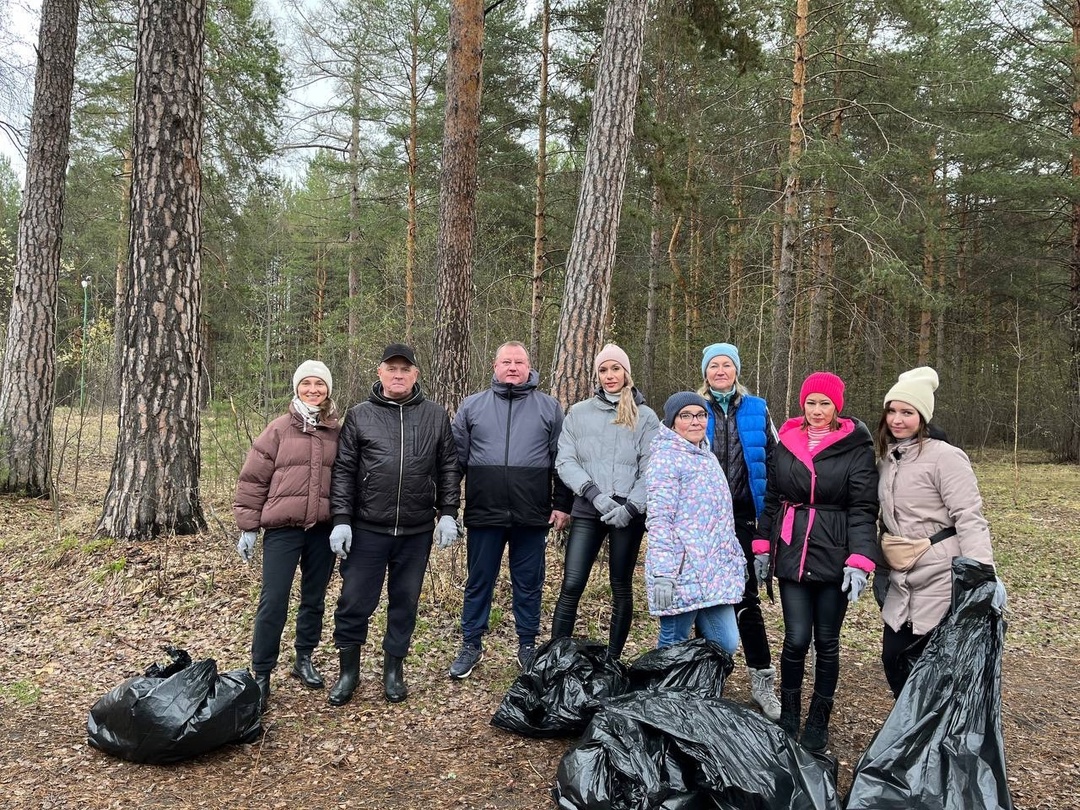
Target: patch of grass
{"type": "Point", "coordinates": [96, 544]}
{"type": "Point", "coordinates": [22, 692]}
{"type": "Point", "coordinates": [110, 569]}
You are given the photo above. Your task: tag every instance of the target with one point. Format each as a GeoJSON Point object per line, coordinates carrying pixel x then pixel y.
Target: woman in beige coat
{"type": "Point", "coordinates": [932, 512]}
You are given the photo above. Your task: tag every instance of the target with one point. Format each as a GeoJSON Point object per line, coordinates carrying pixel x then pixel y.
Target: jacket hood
{"type": "Point", "coordinates": [639, 398]}
{"type": "Point", "coordinates": [415, 396]}
{"type": "Point", "coordinates": [508, 391]}
{"type": "Point", "coordinates": [667, 437]}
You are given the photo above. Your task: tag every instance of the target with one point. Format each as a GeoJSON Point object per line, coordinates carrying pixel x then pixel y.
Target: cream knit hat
{"type": "Point", "coordinates": [916, 387]}
{"type": "Point", "coordinates": [313, 368]}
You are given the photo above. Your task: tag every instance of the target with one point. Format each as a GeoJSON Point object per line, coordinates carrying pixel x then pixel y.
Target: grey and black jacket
{"type": "Point", "coordinates": [396, 468]}
{"type": "Point", "coordinates": [506, 441]}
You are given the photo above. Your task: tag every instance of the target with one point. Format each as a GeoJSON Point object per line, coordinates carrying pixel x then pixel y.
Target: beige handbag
{"type": "Point", "coordinates": [901, 552]}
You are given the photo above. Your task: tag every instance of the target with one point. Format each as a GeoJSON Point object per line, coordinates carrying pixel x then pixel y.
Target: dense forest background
{"type": "Point", "coordinates": [919, 161]}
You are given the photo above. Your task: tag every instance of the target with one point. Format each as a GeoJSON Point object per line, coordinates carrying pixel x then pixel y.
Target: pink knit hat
{"type": "Point", "coordinates": [825, 383]}
{"type": "Point", "coordinates": [613, 352]}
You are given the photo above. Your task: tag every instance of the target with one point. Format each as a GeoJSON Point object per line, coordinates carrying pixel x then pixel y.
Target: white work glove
{"type": "Point", "coordinates": [341, 540]}
{"type": "Point", "coordinates": [663, 592]}
{"type": "Point", "coordinates": [604, 504]}
{"type": "Point", "coordinates": [446, 533]}
{"type": "Point", "coordinates": [617, 518]}
{"type": "Point", "coordinates": [1000, 597]}
{"type": "Point", "coordinates": [761, 568]}
{"type": "Point", "coordinates": [246, 547]}
{"type": "Point", "coordinates": [855, 580]}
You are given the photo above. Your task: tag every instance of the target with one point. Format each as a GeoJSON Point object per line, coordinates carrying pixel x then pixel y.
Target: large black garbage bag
{"type": "Point", "coordinates": [175, 712]}
{"type": "Point", "coordinates": [941, 745]}
{"type": "Point", "coordinates": [561, 691]}
{"type": "Point", "coordinates": [678, 750]}
{"type": "Point", "coordinates": [698, 664]}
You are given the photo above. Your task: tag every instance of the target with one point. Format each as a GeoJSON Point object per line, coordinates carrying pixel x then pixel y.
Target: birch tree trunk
{"type": "Point", "coordinates": [591, 258]}
{"type": "Point", "coordinates": [154, 486]}
{"type": "Point", "coordinates": [28, 373]}
{"type": "Point", "coordinates": [457, 203]}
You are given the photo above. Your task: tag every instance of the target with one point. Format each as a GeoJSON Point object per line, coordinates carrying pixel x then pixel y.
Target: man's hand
{"type": "Point", "coordinates": [559, 520]}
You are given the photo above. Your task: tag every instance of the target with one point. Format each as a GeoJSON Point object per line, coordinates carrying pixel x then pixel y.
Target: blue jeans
{"type": "Point", "coordinates": [811, 612]}
{"type": "Point", "coordinates": [716, 623]}
{"type": "Point", "coordinates": [285, 550]}
{"type": "Point", "coordinates": [484, 551]}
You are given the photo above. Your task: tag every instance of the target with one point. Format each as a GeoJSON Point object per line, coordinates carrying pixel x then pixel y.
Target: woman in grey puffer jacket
{"type": "Point", "coordinates": [603, 452]}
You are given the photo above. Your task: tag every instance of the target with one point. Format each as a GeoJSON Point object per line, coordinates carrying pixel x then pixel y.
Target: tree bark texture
{"type": "Point", "coordinates": [1071, 449]}
{"type": "Point", "coordinates": [154, 487]}
{"type": "Point", "coordinates": [540, 214]}
{"type": "Point", "coordinates": [591, 259]}
{"type": "Point", "coordinates": [28, 373]}
{"type": "Point", "coordinates": [456, 244]}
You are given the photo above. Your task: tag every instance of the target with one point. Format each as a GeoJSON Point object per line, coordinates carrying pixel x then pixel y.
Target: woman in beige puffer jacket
{"type": "Point", "coordinates": [932, 512]}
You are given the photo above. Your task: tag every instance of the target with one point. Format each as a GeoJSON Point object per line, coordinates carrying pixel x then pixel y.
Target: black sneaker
{"type": "Point", "coordinates": [467, 658]}
{"type": "Point", "coordinates": [526, 656]}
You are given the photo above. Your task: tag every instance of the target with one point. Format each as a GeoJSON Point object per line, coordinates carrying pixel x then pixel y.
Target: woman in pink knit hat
{"type": "Point", "coordinates": [817, 535]}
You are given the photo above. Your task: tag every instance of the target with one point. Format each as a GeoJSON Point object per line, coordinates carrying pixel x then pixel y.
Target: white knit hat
{"type": "Point", "coordinates": [916, 388]}
{"type": "Point", "coordinates": [313, 368]}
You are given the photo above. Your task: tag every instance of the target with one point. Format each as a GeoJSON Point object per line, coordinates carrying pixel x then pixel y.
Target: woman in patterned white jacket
{"type": "Point", "coordinates": [695, 569]}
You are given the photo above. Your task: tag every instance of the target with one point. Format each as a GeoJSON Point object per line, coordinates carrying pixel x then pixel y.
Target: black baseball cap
{"type": "Point", "coordinates": [399, 350]}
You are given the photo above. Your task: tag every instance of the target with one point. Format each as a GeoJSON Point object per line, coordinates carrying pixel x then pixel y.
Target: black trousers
{"type": "Point", "coordinates": [900, 649]}
{"type": "Point", "coordinates": [582, 548]}
{"type": "Point", "coordinates": [283, 551]}
{"type": "Point", "coordinates": [400, 561]}
{"type": "Point", "coordinates": [755, 642]}
{"type": "Point", "coordinates": [812, 612]}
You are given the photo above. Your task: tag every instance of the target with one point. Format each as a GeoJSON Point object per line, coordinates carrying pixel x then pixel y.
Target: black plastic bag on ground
{"type": "Point", "coordinates": [678, 750]}
{"type": "Point", "coordinates": [698, 664]}
{"type": "Point", "coordinates": [941, 746]}
{"type": "Point", "coordinates": [175, 712]}
{"type": "Point", "coordinates": [561, 691]}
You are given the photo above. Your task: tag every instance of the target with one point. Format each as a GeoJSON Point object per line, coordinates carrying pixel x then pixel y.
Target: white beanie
{"type": "Point", "coordinates": [916, 388]}
{"type": "Point", "coordinates": [313, 368]}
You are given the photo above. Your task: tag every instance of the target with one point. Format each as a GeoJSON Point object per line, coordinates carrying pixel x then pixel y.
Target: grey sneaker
{"type": "Point", "coordinates": [526, 656]}
{"type": "Point", "coordinates": [467, 658]}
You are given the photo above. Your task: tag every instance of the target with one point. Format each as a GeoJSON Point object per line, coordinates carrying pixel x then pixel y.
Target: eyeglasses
{"type": "Point", "coordinates": [700, 416]}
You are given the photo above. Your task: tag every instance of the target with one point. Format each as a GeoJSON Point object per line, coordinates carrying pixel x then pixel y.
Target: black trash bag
{"type": "Point", "coordinates": [679, 750]}
{"type": "Point", "coordinates": [175, 712]}
{"type": "Point", "coordinates": [941, 746]}
{"type": "Point", "coordinates": [698, 664]}
{"type": "Point", "coordinates": [561, 691]}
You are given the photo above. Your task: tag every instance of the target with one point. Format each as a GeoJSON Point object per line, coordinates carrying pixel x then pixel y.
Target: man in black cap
{"type": "Point", "coordinates": [393, 449]}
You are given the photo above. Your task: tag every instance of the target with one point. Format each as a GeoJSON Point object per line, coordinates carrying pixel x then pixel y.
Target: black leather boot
{"type": "Point", "coordinates": [263, 681]}
{"type": "Point", "coordinates": [393, 679]}
{"type": "Point", "coordinates": [348, 678]}
{"type": "Point", "coordinates": [306, 672]}
{"type": "Point", "coordinates": [815, 736]}
{"type": "Point", "coordinates": [790, 711]}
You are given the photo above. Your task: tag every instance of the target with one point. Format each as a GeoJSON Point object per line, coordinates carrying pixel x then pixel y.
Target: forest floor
{"type": "Point", "coordinates": [79, 614]}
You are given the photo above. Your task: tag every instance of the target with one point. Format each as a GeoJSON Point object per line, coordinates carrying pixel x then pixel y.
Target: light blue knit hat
{"type": "Point", "coordinates": [718, 350]}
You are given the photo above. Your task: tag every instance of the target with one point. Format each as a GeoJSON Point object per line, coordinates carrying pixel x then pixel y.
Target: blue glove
{"type": "Point", "coordinates": [604, 504]}
{"type": "Point", "coordinates": [617, 518]}
{"type": "Point", "coordinates": [1000, 597]}
{"type": "Point", "coordinates": [446, 532]}
{"type": "Point", "coordinates": [663, 592]}
{"type": "Point", "coordinates": [761, 567]}
{"type": "Point", "coordinates": [341, 540]}
{"type": "Point", "coordinates": [246, 547]}
{"type": "Point", "coordinates": [855, 580]}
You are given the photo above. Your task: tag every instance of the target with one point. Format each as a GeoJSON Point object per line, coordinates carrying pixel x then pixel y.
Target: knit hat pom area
{"type": "Point", "coordinates": [825, 383]}
{"type": "Point", "coordinates": [612, 352]}
{"type": "Point", "coordinates": [720, 350]}
{"type": "Point", "coordinates": [676, 402]}
{"type": "Point", "coordinates": [313, 368]}
{"type": "Point", "coordinates": [916, 387]}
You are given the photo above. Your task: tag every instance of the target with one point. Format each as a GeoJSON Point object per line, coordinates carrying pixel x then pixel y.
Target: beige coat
{"type": "Point", "coordinates": [922, 492]}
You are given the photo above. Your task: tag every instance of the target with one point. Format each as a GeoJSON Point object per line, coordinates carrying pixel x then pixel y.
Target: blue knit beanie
{"type": "Point", "coordinates": [676, 402]}
{"type": "Point", "coordinates": [718, 350]}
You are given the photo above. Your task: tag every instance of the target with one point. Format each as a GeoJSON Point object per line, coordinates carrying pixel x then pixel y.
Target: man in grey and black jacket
{"type": "Point", "coordinates": [506, 438]}
{"type": "Point", "coordinates": [396, 472]}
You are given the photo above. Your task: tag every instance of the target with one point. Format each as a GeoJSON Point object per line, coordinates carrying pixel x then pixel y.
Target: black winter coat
{"type": "Point", "coordinates": [396, 468]}
{"type": "Point", "coordinates": [840, 498]}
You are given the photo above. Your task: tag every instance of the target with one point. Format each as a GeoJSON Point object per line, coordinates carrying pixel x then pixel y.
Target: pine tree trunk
{"type": "Point", "coordinates": [154, 486]}
{"type": "Point", "coordinates": [457, 203]}
{"type": "Point", "coordinates": [1071, 445]}
{"type": "Point", "coordinates": [412, 167]}
{"type": "Point", "coordinates": [352, 381]}
{"type": "Point", "coordinates": [645, 384]}
{"type": "Point", "coordinates": [591, 258]}
{"type": "Point", "coordinates": [28, 373]}
{"type": "Point", "coordinates": [540, 215]}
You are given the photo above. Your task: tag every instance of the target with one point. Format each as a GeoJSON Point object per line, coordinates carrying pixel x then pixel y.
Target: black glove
{"type": "Point", "coordinates": [881, 586]}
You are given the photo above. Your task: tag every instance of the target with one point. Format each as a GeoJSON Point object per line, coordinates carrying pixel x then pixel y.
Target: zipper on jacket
{"type": "Point", "coordinates": [401, 469]}
{"type": "Point", "coordinates": [506, 460]}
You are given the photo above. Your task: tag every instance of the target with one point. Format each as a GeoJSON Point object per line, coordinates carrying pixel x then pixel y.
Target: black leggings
{"type": "Point", "coordinates": [811, 612]}
{"type": "Point", "coordinates": [582, 548]}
